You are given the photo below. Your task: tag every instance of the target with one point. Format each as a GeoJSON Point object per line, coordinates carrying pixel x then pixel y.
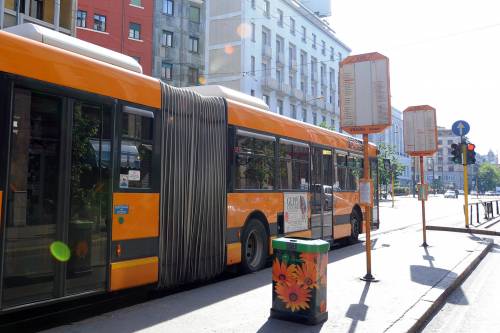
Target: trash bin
{"type": "Point", "coordinates": [299, 280]}
{"type": "Point", "coordinates": [80, 243]}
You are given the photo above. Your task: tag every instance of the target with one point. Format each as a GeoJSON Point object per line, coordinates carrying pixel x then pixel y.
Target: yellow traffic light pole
{"type": "Point", "coordinates": [466, 185]}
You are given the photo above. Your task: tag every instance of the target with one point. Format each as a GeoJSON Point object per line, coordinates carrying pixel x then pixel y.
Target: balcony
{"type": "Point", "coordinates": [269, 83]}
{"type": "Point", "coordinates": [267, 52]}
{"type": "Point", "coordinates": [330, 107]}
{"type": "Point", "coordinates": [283, 89]}
{"type": "Point", "coordinates": [280, 59]}
{"type": "Point", "coordinates": [320, 103]}
{"type": "Point", "coordinates": [298, 94]}
{"type": "Point", "coordinates": [293, 65]}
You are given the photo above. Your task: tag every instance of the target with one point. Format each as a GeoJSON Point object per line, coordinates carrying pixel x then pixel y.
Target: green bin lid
{"type": "Point", "coordinates": [301, 245]}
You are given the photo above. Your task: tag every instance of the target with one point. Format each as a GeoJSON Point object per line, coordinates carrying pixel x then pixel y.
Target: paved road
{"type": "Point", "coordinates": [474, 306]}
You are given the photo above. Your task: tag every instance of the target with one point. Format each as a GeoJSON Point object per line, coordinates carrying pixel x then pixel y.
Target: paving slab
{"type": "Point", "coordinates": [412, 281]}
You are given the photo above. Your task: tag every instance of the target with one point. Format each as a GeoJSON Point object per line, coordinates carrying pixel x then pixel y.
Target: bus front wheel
{"type": "Point", "coordinates": [355, 223]}
{"type": "Point", "coordinates": [254, 247]}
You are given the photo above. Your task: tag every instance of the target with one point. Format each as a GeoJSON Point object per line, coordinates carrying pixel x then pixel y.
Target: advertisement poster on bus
{"type": "Point", "coordinates": [295, 211]}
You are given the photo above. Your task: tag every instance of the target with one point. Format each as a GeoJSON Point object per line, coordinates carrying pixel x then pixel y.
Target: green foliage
{"type": "Point", "coordinates": [488, 177]}
{"type": "Point", "coordinates": [324, 125]}
{"type": "Point", "coordinates": [387, 152]}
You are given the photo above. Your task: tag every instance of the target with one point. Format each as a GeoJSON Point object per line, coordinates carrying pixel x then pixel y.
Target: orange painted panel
{"type": "Point", "coordinates": [305, 234]}
{"type": "Point", "coordinates": [43, 62]}
{"type": "Point", "coordinates": [341, 231]}
{"type": "Point", "coordinates": [233, 255]}
{"type": "Point", "coordinates": [143, 216]}
{"type": "Point", "coordinates": [344, 202]}
{"type": "Point", "coordinates": [133, 273]}
{"type": "Point", "coordinates": [240, 205]}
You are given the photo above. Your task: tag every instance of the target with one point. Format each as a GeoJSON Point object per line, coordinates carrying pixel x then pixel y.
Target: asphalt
{"type": "Point", "coordinates": [413, 282]}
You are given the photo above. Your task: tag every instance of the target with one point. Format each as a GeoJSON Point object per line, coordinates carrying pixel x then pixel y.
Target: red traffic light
{"type": "Point", "coordinates": [471, 146]}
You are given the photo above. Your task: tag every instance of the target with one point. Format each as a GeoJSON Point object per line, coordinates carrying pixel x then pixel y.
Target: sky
{"type": "Point", "coordinates": [444, 53]}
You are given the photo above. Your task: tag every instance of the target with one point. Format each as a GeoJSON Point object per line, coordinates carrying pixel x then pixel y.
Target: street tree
{"type": "Point", "coordinates": [387, 152]}
{"type": "Point", "coordinates": [488, 177]}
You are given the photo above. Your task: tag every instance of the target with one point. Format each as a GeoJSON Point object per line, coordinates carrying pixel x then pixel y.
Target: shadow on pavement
{"type": "Point", "coordinates": [357, 312]}
{"type": "Point", "coordinates": [276, 325]}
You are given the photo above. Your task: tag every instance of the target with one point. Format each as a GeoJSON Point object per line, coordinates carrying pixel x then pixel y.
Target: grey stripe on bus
{"type": "Point", "coordinates": [342, 219]}
{"type": "Point", "coordinates": [233, 234]}
{"type": "Point", "coordinates": [134, 249]}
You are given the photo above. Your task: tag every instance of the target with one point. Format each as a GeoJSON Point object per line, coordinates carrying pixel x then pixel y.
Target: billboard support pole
{"type": "Point", "coordinates": [368, 244]}
{"type": "Point", "coordinates": [466, 184]}
{"type": "Point", "coordinates": [422, 182]}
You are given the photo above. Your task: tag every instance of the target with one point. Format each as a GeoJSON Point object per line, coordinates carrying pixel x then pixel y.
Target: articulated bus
{"type": "Point", "coordinates": [110, 179]}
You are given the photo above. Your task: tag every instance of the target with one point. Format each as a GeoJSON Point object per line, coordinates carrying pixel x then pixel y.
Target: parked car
{"type": "Point", "coordinates": [450, 194]}
{"type": "Point", "coordinates": [489, 193]}
{"type": "Point", "coordinates": [461, 192]}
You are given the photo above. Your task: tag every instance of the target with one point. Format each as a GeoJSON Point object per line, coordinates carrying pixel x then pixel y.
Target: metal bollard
{"type": "Point", "coordinates": [471, 214]}
{"type": "Point", "coordinates": [477, 213]}
{"type": "Point", "coordinates": [497, 208]}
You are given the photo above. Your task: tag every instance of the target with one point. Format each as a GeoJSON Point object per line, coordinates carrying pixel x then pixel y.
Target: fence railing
{"type": "Point", "coordinates": [484, 211]}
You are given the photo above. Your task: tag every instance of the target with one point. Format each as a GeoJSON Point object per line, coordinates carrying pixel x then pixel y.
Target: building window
{"type": "Point", "coordinates": [137, 3]}
{"type": "Point", "coordinates": [332, 54]}
{"type": "Point", "coordinates": [193, 75]}
{"type": "Point", "coordinates": [315, 118]}
{"type": "Point", "coordinates": [265, 98]}
{"type": "Point", "coordinates": [293, 111]}
{"type": "Point", "coordinates": [332, 124]}
{"type": "Point", "coordinates": [168, 7]}
{"type": "Point", "coordinates": [280, 17]}
{"type": "Point", "coordinates": [252, 26]}
{"type": "Point", "coordinates": [292, 26]}
{"type": "Point", "coordinates": [193, 44]}
{"type": "Point", "coordinates": [166, 71]}
{"type": "Point", "coordinates": [252, 92]}
{"type": "Point", "coordinates": [167, 38]}
{"type": "Point", "coordinates": [81, 19]}
{"type": "Point", "coordinates": [304, 34]}
{"type": "Point", "coordinates": [134, 31]}
{"type": "Point", "coordinates": [323, 120]}
{"type": "Point", "coordinates": [267, 8]}
{"type": "Point", "coordinates": [99, 22]}
{"type": "Point", "coordinates": [252, 65]}
{"type": "Point", "coordinates": [194, 14]}
{"type": "Point", "coordinates": [323, 47]}
{"type": "Point", "coordinates": [253, 4]}
{"type": "Point", "coordinates": [304, 115]}
{"type": "Point", "coordinates": [314, 41]}
{"type": "Point", "coordinates": [279, 106]}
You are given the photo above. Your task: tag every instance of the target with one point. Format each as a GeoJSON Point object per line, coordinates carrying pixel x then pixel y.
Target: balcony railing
{"type": "Point", "coordinates": [270, 83]}
{"type": "Point", "coordinates": [293, 65]}
{"type": "Point", "coordinates": [280, 58]}
{"type": "Point", "coordinates": [267, 51]}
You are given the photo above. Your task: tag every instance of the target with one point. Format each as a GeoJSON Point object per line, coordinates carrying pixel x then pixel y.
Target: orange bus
{"type": "Point", "coordinates": [110, 179]}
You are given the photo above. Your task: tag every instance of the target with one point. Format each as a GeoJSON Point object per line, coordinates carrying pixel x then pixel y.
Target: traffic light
{"type": "Point", "coordinates": [456, 151]}
{"type": "Point", "coordinates": [471, 154]}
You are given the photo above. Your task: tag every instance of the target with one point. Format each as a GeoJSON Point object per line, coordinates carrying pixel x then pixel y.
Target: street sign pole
{"type": "Point", "coordinates": [392, 174]}
{"type": "Point", "coordinates": [422, 185]}
{"type": "Point", "coordinates": [368, 243]}
{"type": "Point", "coordinates": [466, 185]}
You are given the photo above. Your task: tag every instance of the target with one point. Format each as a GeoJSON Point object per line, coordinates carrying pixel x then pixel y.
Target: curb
{"type": "Point", "coordinates": [417, 316]}
{"type": "Point", "coordinates": [464, 230]}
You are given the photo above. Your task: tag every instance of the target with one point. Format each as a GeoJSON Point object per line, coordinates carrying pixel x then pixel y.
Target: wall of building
{"type": "Point", "coordinates": [119, 15]}
{"type": "Point", "coordinates": [187, 66]}
{"type": "Point", "coordinates": [235, 35]}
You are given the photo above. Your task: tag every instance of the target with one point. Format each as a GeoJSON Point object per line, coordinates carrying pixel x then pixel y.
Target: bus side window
{"type": "Point", "coordinates": [293, 165]}
{"type": "Point", "coordinates": [136, 148]}
{"type": "Point", "coordinates": [341, 167]}
{"type": "Point", "coordinates": [255, 161]}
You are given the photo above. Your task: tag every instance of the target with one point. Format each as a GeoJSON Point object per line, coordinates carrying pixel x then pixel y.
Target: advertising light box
{"type": "Point", "coordinates": [365, 103]}
{"type": "Point", "coordinates": [420, 130]}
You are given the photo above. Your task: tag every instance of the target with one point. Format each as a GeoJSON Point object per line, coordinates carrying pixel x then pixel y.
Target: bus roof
{"type": "Point", "coordinates": [33, 59]}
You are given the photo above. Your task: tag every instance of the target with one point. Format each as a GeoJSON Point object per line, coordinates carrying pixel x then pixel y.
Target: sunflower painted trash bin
{"type": "Point", "coordinates": [299, 280]}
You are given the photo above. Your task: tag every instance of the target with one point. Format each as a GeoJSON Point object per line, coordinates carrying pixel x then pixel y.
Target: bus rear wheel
{"type": "Point", "coordinates": [254, 247]}
{"type": "Point", "coordinates": [355, 223]}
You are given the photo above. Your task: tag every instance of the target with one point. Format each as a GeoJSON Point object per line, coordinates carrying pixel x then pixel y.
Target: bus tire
{"type": "Point", "coordinates": [254, 246]}
{"type": "Point", "coordinates": [355, 223]}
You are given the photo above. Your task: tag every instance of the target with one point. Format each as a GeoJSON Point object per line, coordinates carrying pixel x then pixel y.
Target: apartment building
{"type": "Point", "coordinates": [125, 26]}
{"type": "Point", "coordinates": [179, 42]}
{"type": "Point", "coordinates": [279, 51]}
{"type": "Point", "coordinates": [52, 14]}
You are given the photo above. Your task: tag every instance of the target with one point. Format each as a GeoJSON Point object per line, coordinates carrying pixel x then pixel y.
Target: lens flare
{"type": "Point", "coordinates": [228, 49]}
{"type": "Point", "coordinates": [244, 30]}
{"type": "Point", "coordinates": [60, 251]}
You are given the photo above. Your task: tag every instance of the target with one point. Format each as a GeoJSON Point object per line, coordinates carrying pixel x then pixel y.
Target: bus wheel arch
{"type": "Point", "coordinates": [254, 242]}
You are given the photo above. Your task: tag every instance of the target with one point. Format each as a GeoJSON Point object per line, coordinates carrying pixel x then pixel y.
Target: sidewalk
{"type": "Point", "coordinates": [413, 280]}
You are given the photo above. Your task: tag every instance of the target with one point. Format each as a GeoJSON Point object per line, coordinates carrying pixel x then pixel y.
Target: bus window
{"type": "Point", "coordinates": [254, 161]}
{"type": "Point", "coordinates": [341, 171]}
{"type": "Point", "coordinates": [294, 165]}
{"type": "Point", "coordinates": [136, 148]}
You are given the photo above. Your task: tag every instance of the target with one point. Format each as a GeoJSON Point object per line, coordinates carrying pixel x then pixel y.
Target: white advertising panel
{"type": "Point", "coordinates": [296, 211]}
{"type": "Point", "coordinates": [365, 105]}
{"type": "Point", "coordinates": [420, 130]}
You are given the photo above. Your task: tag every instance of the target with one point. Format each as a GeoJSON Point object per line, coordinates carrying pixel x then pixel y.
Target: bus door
{"type": "Point", "coordinates": [321, 193]}
{"type": "Point", "coordinates": [58, 198]}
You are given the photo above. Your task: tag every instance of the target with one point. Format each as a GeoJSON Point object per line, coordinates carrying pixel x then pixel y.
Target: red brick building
{"type": "Point", "coordinates": [125, 26]}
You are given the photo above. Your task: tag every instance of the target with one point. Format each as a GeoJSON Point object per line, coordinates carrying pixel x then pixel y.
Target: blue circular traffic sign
{"type": "Point", "coordinates": [460, 128]}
